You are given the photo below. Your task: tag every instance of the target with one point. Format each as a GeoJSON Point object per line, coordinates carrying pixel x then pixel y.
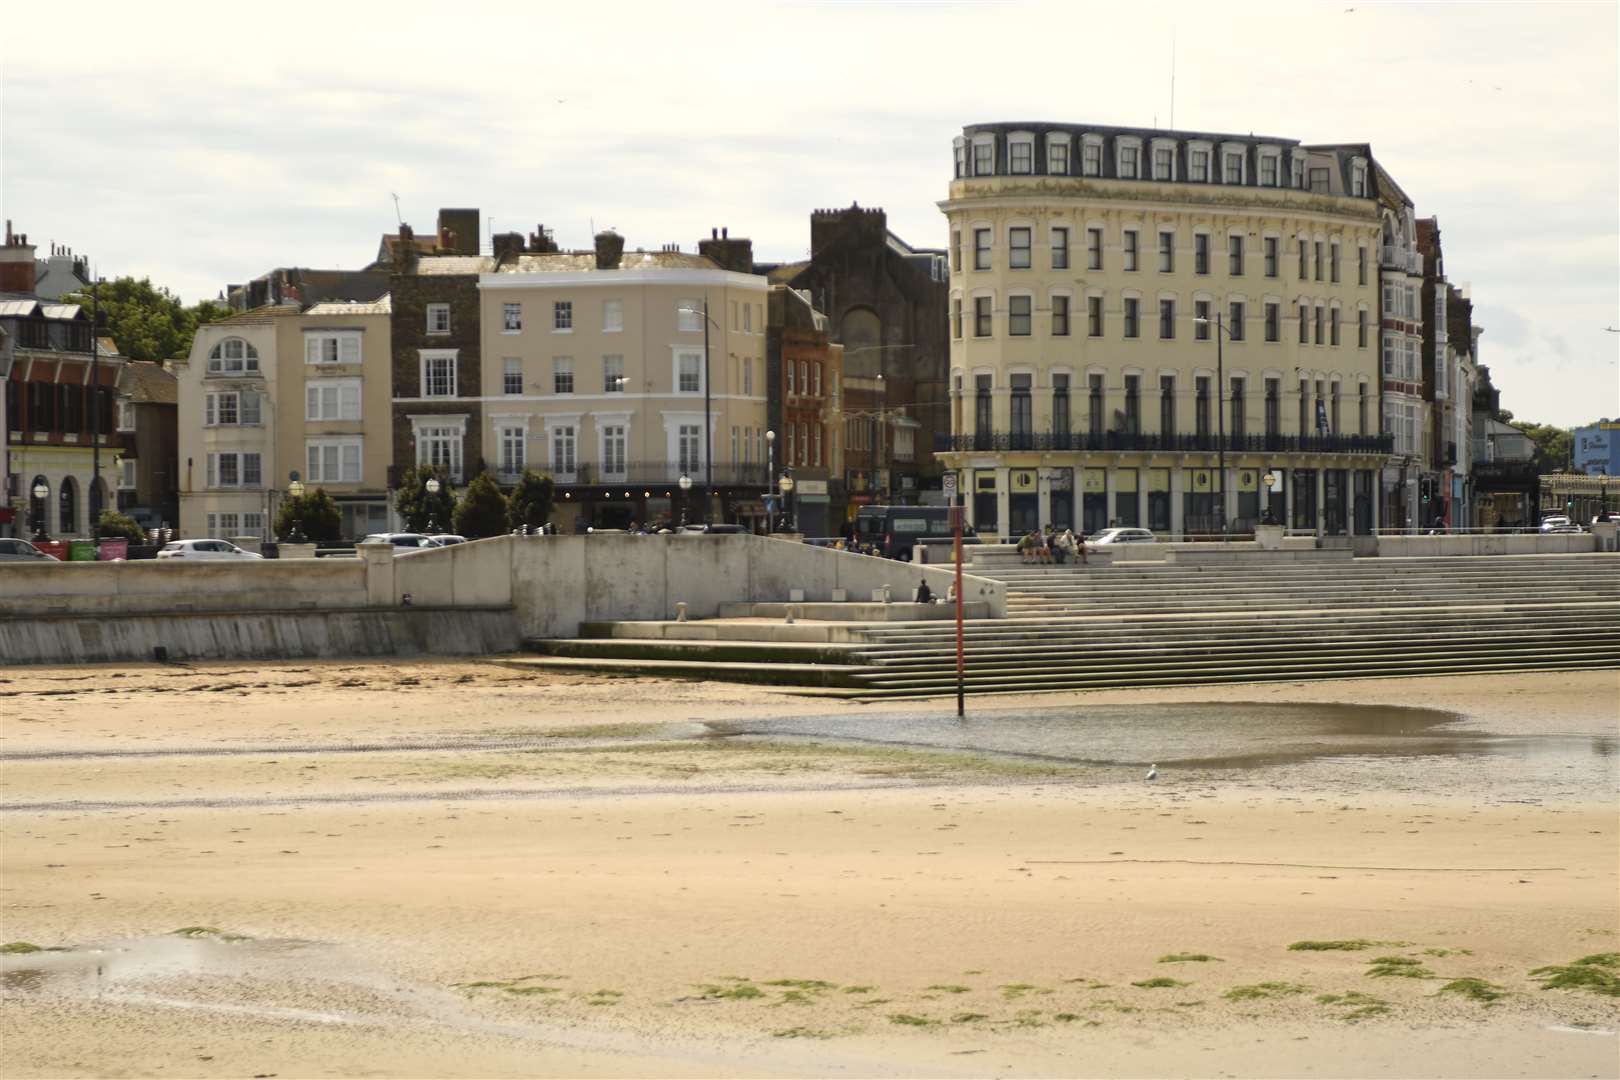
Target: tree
{"type": "Point", "coordinates": [1554, 445]}
{"type": "Point", "coordinates": [416, 506]}
{"type": "Point", "coordinates": [148, 322]}
{"type": "Point", "coordinates": [482, 510]}
{"type": "Point", "coordinates": [317, 516]}
{"type": "Point", "coordinates": [531, 500]}
{"type": "Point", "coordinates": [114, 524]}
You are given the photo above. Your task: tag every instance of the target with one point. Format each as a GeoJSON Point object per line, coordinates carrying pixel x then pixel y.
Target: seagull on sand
{"type": "Point", "coordinates": [1153, 773]}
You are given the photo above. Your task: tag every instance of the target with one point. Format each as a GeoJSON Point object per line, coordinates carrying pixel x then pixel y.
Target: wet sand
{"type": "Point", "coordinates": [456, 869]}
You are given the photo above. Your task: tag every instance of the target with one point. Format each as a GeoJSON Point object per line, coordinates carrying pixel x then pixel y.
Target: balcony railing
{"type": "Point", "coordinates": [647, 474]}
{"type": "Point", "coordinates": [1108, 441]}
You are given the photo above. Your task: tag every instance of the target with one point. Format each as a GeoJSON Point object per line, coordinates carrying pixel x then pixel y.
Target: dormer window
{"type": "Point", "coordinates": [1091, 156]}
{"type": "Point", "coordinates": [1128, 163]}
{"type": "Point", "coordinates": [1358, 178]}
{"type": "Point", "coordinates": [1297, 172]}
{"type": "Point", "coordinates": [1198, 162]}
{"type": "Point", "coordinates": [233, 356]}
{"type": "Point", "coordinates": [959, 148]}
{"type": "Point", "coordinates": [1270, 167]}
{"type": "Point", "coordinates": [1021, 153]}
{"type": "Point", "coordinates": [1231, 164]}
{"type": "Point", "coordinates": [1164, 159]}
{"type": "Point", "coordinates": [984, 155]}
{"type": "Point", "coordinates": [1057, 154]}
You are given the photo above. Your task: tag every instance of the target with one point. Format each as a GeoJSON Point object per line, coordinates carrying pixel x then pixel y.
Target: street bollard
{"type": "Point", "coordinates": [680, 611]}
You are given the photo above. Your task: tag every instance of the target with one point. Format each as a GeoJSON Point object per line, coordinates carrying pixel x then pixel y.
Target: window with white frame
{"type": "Point", "coordinates": [688, 315]}
{"type": "Point", "coordinates": [1091, 156]}
{"type": "Point", "coordinates": [1270, 170]}
{"type": "Point", "coordinates": [231, 408]}
{"type": "Point", "coordinates": [511, 375]}
{"type": "Point", "coordinates": [792, 382]}
{"type": "Point", "coordinates": [613, 380]}
{"type": "Point", "coordinates": [1198, 165]}
{"type": "Point", "coordinates": [253, 523]}
{"type": "Point", "coordinates": [438, 374]}
{"type": "Point", "coordinates": [1296, 168]}
{"type": "Point", "coordinates": [612, 316]}
{"type": "Point", "coordinates": [959, 148]}
{"type": "Point", "coordinates": [1019, 315]}
{"type": "Point", "coordinates": [1164, 163]}
{"type": "Point", "coordinates": [332, 399]}
{"type": "Point", "coordinates": [984, 156]}
{"type": "Point", "coordinates": [748, 374]}
{"type": "Point", "coordinates": [1231, 166]}
{"type": "Point", "coordinates": [1358, 178]}
{"type": "Point", "coordinates": [127, 478]}
{"type": "Point", "coordinates": [1018, 248]}
{"type": "Point", "coordinates": [438, 318]}
{"type": "Point", "coordinates": [689, 373]}
{"type": "Point", "coordinates": [1021, 154]}
{"type": "Point", "coordinates": [1129, 241]}
{"type": "Point", "coordinates": [1389, 356]}
{"type": "Point", "coordinates": [564, 441]}
{"type": "Point", "coordinates": [1060, 247]}
{"type": "Point", "coordinates": [1130, 160]}
{"type": "Point", "coordinates": [440, 448]}
{"type": "Point", "coordinates": [1167, 252]}
{"type": "Point", "coordinates": [126, 415]}
{"type": "Point", "coordinates": [614, 442]}
{"type": "Point", "coordinates": [689, 447]}
{"type": "Point", "coordinates": [748, 318]}
{"type": "Point", "coordinates": [562, 316]}
{"type": "Point", "coordinates": [981, 249]}
{"type": "Point", "coordinates": [233, 356]}
{"type": "Point", "coordinates": [332, 347]}
{"type": "Point", "coordinates": [511, 318]}
{"type": "Point", "coordinates": [562, 375]}
{"type": "Point", "coordinates": [235, 469]}
{"type": "Point", "coordinates": [514, 440]}
{"type": "Point", "coordinates": [224, 524]}
{"type": "Point", "coordinates": [1057, 155]}
{"type": "Point", "coordinates": [332, 461]}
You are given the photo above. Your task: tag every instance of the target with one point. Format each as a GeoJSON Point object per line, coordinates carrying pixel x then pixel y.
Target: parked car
{"type": "Point", "coordinates": [204, 549]}
{"type": "Point", "coordinates": [401, 541]}
{"type": "Point", "coordinates": [444, 540]}
{"type": "Point", "coordinates": [1123, 536]}
{"type": "Point", "coordinates": [894, 530]}
{"type": "Point", "coordinates": [22, 551]}
{"type": "Point", "coordinates": [1558, 523]}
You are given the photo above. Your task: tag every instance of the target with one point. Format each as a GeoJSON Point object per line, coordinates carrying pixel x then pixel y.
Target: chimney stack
{"type": "Point", "coordinates": [541, 242]}
{"type": "Point", "coordinates": [17, 270]}
{"type": "Point", "coordinates": [734, 255]}
{"type": "Point", "coordinates": [464, 232]}
{"type": "Point", "coordinates": [609, 250]}
{"type": "Point", "coordinates": [507, 246]}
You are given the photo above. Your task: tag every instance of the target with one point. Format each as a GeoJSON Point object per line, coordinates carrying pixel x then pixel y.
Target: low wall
{"type": "Point", "coordinates": [1488, 544]}
{"type": "Point", "coordinates": [172, 585]}
{"type": "Point", "coordinates": [266, 635]}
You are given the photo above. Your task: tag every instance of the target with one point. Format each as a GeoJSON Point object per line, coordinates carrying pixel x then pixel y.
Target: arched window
{"type": "Point", "coordinates": [233, 356]}
{"type": "Point", "coordinates": [67, 502]}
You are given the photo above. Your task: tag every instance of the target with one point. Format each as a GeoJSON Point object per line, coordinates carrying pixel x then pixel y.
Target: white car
{"type": "Point", "coordinates": [204, 549]}
{"type": "Point", "coordinates": [1122, 536]}
{"type": "Point", "coordinates": [402, 542]}
{"type": "Point", "coordinates": [444, 540]}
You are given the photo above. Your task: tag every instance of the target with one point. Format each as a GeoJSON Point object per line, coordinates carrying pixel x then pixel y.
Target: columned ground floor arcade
{"type": "Point", "coordinates": [1171, 493]}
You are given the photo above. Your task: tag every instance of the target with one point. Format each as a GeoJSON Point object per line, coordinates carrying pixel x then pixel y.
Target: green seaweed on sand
{"type": "Point", "coordinates": [1343, 945]}
{"type": "Point", "coordinates": [1189, 958]}
{"type": "Point", "coordinates": [1474, 990]}
{"type": "Point", "coordinates": [1160, 982]}
{"type": "Point", "coordinates": [1588, 973]}
{"type": "Point", "coordinates": [1255, 991]}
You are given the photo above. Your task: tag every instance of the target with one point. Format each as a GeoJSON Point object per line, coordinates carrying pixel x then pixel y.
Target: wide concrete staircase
{"type": "Point", "coordinates": [1154, 624]}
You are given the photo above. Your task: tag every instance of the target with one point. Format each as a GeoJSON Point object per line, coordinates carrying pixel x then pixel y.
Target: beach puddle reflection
{"type": "Point", "coordinates": [1221, 737]}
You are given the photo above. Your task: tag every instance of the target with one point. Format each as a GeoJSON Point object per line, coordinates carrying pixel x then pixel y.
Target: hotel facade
{"type": "Point", "coordinates": [1146, 325]}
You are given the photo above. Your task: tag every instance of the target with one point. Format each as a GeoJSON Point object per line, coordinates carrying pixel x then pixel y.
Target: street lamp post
{"type": "Point", "coordinates": [42, 493]}
{"type": "Point", "coordinates": [785, 486]}
{"type": "Point", "coordinates": [1220, 418]}
{"type": "Point", "coordinates": [770, 471]}
{"type": "Point", "coordinates": [432, 488]}
{"type": "Point", "coordinates": [295, 492]}
{"type": "Point", "coordinates": [685, 484]}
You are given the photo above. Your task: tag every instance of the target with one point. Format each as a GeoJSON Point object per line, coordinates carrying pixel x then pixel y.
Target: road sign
{"type": "Point", "coordinates": [949, 481]}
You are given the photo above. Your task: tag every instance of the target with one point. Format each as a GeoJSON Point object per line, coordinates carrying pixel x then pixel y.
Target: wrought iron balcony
{"type": "Point", "coordinates": [647, 474]}
{"type": "Point", "coordinates": [1103, 441]}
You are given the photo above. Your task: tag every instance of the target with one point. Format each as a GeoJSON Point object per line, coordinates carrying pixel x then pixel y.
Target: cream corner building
{"type": "Point", "coordinates": [1094, 271]}
{"type": "Point", "coordinates": [279, 390]}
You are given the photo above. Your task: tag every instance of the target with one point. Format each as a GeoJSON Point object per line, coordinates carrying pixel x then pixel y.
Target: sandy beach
{"type": "Point", "coordinates": [465, 869]}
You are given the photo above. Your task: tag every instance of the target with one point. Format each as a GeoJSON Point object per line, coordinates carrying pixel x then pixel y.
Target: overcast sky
{"type": "Point", "coordinates": [200, 144]}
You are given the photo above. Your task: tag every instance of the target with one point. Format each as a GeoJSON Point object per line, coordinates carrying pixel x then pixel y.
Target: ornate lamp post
{"type": "Point", "coordinates": [432, 488]}
{"type": "Point", "coordinates": [295, 492]}
{"type": "Point", "coordinates": [785, 486]}
{"type": "Point", "coordinates": [685, 484]}
{"type": "Point", "coordinates": [42, 516]}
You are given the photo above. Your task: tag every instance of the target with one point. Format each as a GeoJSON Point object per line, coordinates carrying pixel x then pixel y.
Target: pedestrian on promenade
{"type": "Point", "coordinates": [1026, 547]}
{"type": "Point", "coordinates": [1080, 546]}
{"type": "Point", "coordinates": [1043, 553]}
{"type": "Point", "coordinates": [925, 595]}
{"type": "Point", "coordinates": [1054, 540]}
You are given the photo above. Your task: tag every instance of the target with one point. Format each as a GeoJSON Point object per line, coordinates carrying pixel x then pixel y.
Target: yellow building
{"type": "Point", "coordinates": [1147, 324]}
{"type": "Point", "coordinates": [279, 390]}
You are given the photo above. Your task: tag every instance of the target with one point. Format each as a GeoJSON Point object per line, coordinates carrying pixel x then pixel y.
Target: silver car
{"type": "Point", "coordinates": [22, 551]}
{"type": "Point", "coordinates": [1123, 536]}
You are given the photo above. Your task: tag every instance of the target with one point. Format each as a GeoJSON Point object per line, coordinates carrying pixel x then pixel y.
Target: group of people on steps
{"type": "Point", "coordinates": [1050, 546]}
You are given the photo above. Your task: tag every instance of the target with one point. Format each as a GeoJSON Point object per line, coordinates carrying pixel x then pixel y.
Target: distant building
{"type": "Point", "coordinates": [148, 466]}
{"type": "Point", "coordinates": [805, 410]}
{"type": "Point", "coordinates": [1097, 276]}
{"type": "Point", "coordinates": [1597, 448]}
{"type": "Point", "coordinates": [885, 301]}
{"type": "Point", "coordinates": [588, 365]}
{"type": "Point", "coordinates": [59, 390]}
{"type": "Point", "coordinates": [63, 272]}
